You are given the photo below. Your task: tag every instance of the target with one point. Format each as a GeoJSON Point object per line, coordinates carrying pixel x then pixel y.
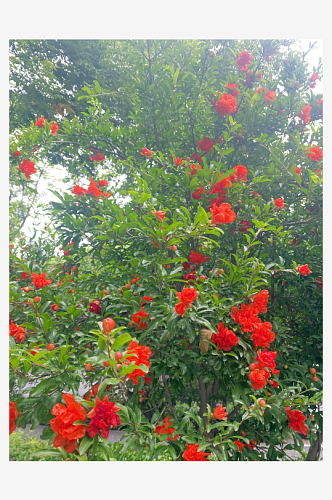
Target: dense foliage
{"type": "Point", "coordinates": [191, 248]}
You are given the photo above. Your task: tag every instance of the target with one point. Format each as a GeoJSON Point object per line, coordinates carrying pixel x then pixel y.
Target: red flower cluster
{"type": "Point", "coordinates": [313, 78]}
{"type": "Point", "coordinates": [258, 378]}
{"type": "Point", "coordinates": [17, 331]}
{"type": "Point", "coordinates": [17, 153]}
{"type": "Point", "coordinates": [225, 105]}
{"type": "Point", "coordinates": [270, 96]}
{"type": "Point", "coordinates": [222, 214]}
{"type": "Point", "coordinates": [245, 226]}
{"type": "Point", "coordinates": [143, 353]}
{"type": "Point", "coordinates": [296, 421]}
{"type": "Point", "coordinates": [239, 444]}
{"type": "Point", "coordinates": [102, 183]}
{"type": "Point", "coordinates": [232, 89]}
{"type": "Point", "coordinates": [13, 414]}
{"type": "Point", "coordinates": [94, 307]}
{"type": "Point", "coordinates": [40, 281]}
{"type": "Point", "coordinates": [186, 297]}
{"type": "Point", "coordinates": [247, 317]}
{"type": "Point", "coordinates": [196, 194]}
{"type": "Point", "coordinates": [220, 413]}
{"type": "Point", "coordinates": [196, 157]}
{"type": "Point", "coordinates": [166, 429]}
{"type": "Point", "coordinates": [98, 157]}
{"type": "Point", "coordinates": [240, 174]}
{"type": "Point", "coordinates": [67, 252]}
{"type": "Point", "coordinates": [91, 393]}
{"type": "Point", "coordinates": [28, 168]}
{"type": "Point", "coordinates": [177, 161]}
{"type": "Point", "coordinates": [40, 122]}
{"type": "Point", "coordinates": [279, 203]}
{"type": "Point", "coordinates": [192, 455]}
{"type": "Point", "coordinates": [197, 258]}
{"type": "Point", "coordinates": [25, 276]}
{"type": "Point", "coordinates": [260, 300]}
{"type": "Point", "coordinates": [62, 424]}
{"type": "Point", "coordinates": [147, 299]}
{"type": "Point", "coordinates": [93, 189]}
{"type": "Point", "coordinates": [225, 339]}
{"type": "Point", "coordinates": [266, 359]}
{"type": "Point", "coordinates": [138, 319]}
{"type": "Point", "coordinates": [78, 190]}
{"type": "Point", "coordinates": [243, 60]}
{"type": "Point", "coordinates": [304, 270]}
{"type": "Point", "coordinates": [103, 417]}
{"type": "Point", "coordinates": [305, 114]}
{"type": "Point", "coordinates": [262, 335]}
{"type": "Point", "coordinates": [54, 128]}
{"type": "Point", "coordinates": [206, 145]}
{"type": "Point", "coordinates": [315, 153]}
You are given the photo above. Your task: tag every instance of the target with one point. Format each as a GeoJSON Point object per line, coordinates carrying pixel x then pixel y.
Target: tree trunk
{"type": "Point", "coordinates": [315, 449]}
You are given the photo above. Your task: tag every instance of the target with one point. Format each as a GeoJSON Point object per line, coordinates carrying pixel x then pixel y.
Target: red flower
{"type": "Point", "coordinates": [304, 270]}
{"type": "Point", "coordinates": [137, 319]}
{"type": "Point", "coordinates": [147, 380]}
{"type": "Point", "coordinates": [243, 60]}
{"type": "Point", "coordinates": [188, 277]}
{"type": "Point", "coordinates": [143, 353]}
{"type": "Point", "coordinates": [297, 170]}
{"type": "Point", "coordinates": [67, 252]}
{"type": "Point", "coordinates": [196, 157]}
{"type": "Point", "coordinates": [240, 175]}
{"type": "Point", "coordinates": [266, 359]}
{"type": "Point", "coordinates": [192, 455]}
{"type": "Point", "coordinates": [145, 299]}
{"type": "Point", "coordinates": [261, 89]}
{"type": "Point", "coordinates": [279, 203]}
{"type": "Point", "coordinates": [40, 281]}
{"type": "Point", "coordinates": [320, 283]}
{"type": "Point", "coordinates": [178, 161]}
{"type": "Point", "coordinates": [296, 421]}
{"type": "Point", "coordinates": [62, 424]}
{"type": "Point", "coordinates": [103, 417]}
{"type": "Point", "coordinates": [25, 276]}
{"type": "Point", "coordinates": [159, 214]}
{"type": "Point", "coordinates": [13, 414]}
{"type": "Point", "coordinates": [240, 445]}
{"type": "Point", "coordinates": [313, 78]}
{"type": "Point", "coordinates": [91, 393]}
{"type": "Point", "coordinates": [186, 297]}
{"type": "Point", "coordinates": [258, 378]}
{"type": "Point", "coordinates": [40, 122]}
{"type": "Point", "coordinates": [260, 300]}
{"type": "Point", "coordinates": [54, 307]}
{"type": "Point", "coordinates": [245, 226]}
{"type": "Point", "coordinates": [166, 429]}
{"type": "Point", "coordinates": [270, 96]}
{"type": "Point", "coordinates": [262, 335]}
{"type": "Point", "coordinates": [92, 189]}
{"type": "Point", "coordinates": [146, 152]}
{"type": "Point", "coordinates": [222, 214]}
{"type": "Point", "coordinates": [196, 194]}
{"type": "Point", "coordinates": [226, 104]}
{"type": "Point", "coordinates": [28, 168]}
{"type": "Point", "coordinates": [232, 89]}
{"type": "Point", "coordinates": [102, 183]}
{"type": "Point", "coordinates": [247, 317]}
{"type": "Point", "coordinates": [98, 157]}
{"type": "Point", "coordinates": [197, 258]}
{"type": "Point", "coordinates": [220, 413]}
{"type": "Point", "coordinates": [206, 145]}
{"type": "Point", "coordinates": [17, 153]}
{"type": "Point", "coordinates": [94, 307]}
{"type": "Point", "coordinates": [78, 190]}
{"type": "Point", "coordinates": [315, 153]}
{"type": "Point", "coordinates": [225, 339]}
{"type": "Point", "coordinates": [193, 170]}
{"type": "Point", "coordinates": [54, 128]}
{"type": "Point", "coordinates": [185, 266]}
{"type": "Point", "coordinates": [305, 114]}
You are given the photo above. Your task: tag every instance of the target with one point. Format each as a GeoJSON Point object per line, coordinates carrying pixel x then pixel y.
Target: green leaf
{"type": "Point", "coordinates": [121, 340]}
{"type": "Point", "coordinates": [46, 453]}
{"type": "Point", "coordinates": [85, 444]}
